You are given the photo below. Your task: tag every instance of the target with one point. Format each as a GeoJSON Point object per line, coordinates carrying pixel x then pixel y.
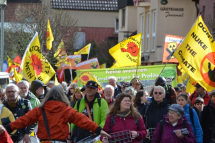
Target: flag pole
{"type": "Point", "coordinates": [89, 52]}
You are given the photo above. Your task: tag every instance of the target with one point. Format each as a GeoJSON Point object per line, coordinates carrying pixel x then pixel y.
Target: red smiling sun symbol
{"type": "Point", "coordinates": [37, 64]}
{"type": "Point", "coordinates": [132, 49]}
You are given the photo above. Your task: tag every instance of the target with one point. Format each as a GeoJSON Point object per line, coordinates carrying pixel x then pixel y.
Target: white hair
{"type": "Point", "coordinates": [113, 77]}
{"type": "Point", "coordinates": [23, 82]}
{"type": "Point", "coordinates": [159, 87]}
{"type": "Point", "coordinates": [130, 89]}
{"type": "Point", "coordinates": [109, 86]}
{"type": "Point", "coordinates": [12, 85]}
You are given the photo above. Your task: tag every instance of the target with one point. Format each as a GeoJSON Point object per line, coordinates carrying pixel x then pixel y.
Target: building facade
{"type": "Point", "coordinates": [155, 20]}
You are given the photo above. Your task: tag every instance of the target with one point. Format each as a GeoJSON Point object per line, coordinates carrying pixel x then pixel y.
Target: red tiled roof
{"type": "Point", "coordinates": [96, 5]}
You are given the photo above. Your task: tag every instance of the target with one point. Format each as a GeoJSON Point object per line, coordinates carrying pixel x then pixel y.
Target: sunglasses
{"type": "Point", "coordinates": [158, 93]}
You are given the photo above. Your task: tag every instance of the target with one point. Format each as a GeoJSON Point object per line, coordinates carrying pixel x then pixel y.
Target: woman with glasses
{"type": "Point", "coordinates": [153, 112]}
{"type": "Point", "coordinates": [124, 122]}
{"type": "Point", "coordinates": [174, 128]}
{"type": "Point", "coordinates": [71, 90]}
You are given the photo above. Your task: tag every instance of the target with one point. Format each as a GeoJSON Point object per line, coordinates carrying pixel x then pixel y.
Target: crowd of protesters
{"type": "Point", "coordinates": [118, 113]}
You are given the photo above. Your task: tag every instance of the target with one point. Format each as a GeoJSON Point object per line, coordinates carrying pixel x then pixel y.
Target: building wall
{"type": "Point", "coordinates": [166, 24]}
{"type": "Point", "coordinates": [209, 9]}
{"type": "Point", "coordinates": [130, 22]}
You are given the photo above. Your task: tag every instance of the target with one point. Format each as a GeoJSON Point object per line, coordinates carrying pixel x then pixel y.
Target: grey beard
{"type": "Point", "coordinates": [23, 94]}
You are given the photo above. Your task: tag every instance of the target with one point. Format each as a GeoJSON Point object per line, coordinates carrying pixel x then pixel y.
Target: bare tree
{"type": "Point", "coordinates": [211, 25]}
{"type": "Point", "coordinates": [33, 18]}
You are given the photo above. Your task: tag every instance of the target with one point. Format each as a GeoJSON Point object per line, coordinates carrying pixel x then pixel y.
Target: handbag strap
{"type": "Point", "coordinates": [88, 111]}
{"type": "Point", "coordinates": [46, 122]}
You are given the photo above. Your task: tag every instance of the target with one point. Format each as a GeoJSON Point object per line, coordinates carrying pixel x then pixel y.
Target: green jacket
{"type": "Point", "coordinates": [33, 99]}
{"type": "Point", "coordinates": [99, 112]}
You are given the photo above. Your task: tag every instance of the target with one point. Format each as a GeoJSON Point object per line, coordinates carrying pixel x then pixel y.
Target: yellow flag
{"type": "Point", "coordinates": [128, 52]}
{"type": "Point", "coordinates": [84, 50]}
{"type": "Point", "coordinates": [116, 65]}
{"type": "Point", "coordinates": [103, 66]}
{"type": "Point", "coordinates": [182, 78]}
{"type": "Point", "coordinates": [34, 65]}
{"type": "Point", "coordinates": [196, 55]}
{"type": "Point", "coordinates": [190, 85]}
{"type": "Point", "coordinates": [56, 81]}
{"type": "Point", "coordinates": [18, 76]}
{"type": "Point", "coordinates": [74, 80]}
{"type": "Point", "coordinates": [61, 55]}
{"type": "Point", "coordinates": [50, 37]}
{"type": "Point", "coordinates": [9, 62]}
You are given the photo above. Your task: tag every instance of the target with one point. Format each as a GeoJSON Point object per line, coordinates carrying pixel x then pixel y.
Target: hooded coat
{"type": "Point", "coordinates": [168, 136]}
{"type": "Point", "coordinates": [207, 122]}
{"type": "Point", "coordinates": [35, 85]}
{"type": "Point", "coordinates": [58, 114]}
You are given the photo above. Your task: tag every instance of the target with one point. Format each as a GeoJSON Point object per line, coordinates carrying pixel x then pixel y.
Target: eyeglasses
{"type": "Point", "coordinates": [10, 91]}
{"type": "Point", "coordinates": [158, 93]}
{"type": "Point", "coordinates": [71, 88]}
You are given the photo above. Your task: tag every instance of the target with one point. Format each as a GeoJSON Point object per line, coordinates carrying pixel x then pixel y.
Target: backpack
{"type": "Point", "coordinates": [79, 101]}
{"type": "Point", "coordinates": [184, 125]}
{"type": "Point", "coordinates": [191, 115]}
{"type": "Point", "coordinates": [112, 123]}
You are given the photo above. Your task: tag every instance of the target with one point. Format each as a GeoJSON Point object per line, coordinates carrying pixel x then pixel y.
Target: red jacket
{"type": "Point", "coordinates": [58, 116]}
{"type": "Point", "coordinates": [5, 138]}
{"type": "Point", "coordinates": [127, 123]}
{"type": "Point", "coordinates": [195, 95]}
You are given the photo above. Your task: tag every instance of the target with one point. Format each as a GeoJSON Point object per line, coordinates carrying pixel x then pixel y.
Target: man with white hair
{"type": "Point", "coordinates": [19, 107]}
{"type": "Point", "coordinates": [117, 88]}
{"type": "Point", "coordinates": [25, 93]}
{"type": "Point", "coordinates": [108, 94]}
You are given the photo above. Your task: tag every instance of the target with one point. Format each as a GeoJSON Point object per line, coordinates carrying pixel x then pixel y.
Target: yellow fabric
{"type": "Point", "coordinates": [34, 65]}
{"type": "Point", "coordinates": [190, 85]}
{"type": "Point", "coordinates": [9, 62]}
{"type": "Point", "coordinates": [116, 65]}
{"type": "Point", "coordinates": [18, 76]}
{"type": "Point", "coordinates": [196, 57]}
{"type": "Point", "coordinates": [84, 50]}
{"type": "Point", "coordinates": [61, 55]}
{"type": "Point", "coordinates": [50, 37]}
{"type": "Point", "coordinates": [7, 113]}
{"type": "Point", "coordinates": [56, 81]}
{"type": "Point", "coordinates": [128, 52]}
{"type": "Point", "coordinates": [103, 66]}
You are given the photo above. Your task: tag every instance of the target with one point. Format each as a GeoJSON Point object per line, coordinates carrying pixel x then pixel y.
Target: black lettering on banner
{"type": "Point", "coordinates": [188, 65]}
{"type": "Point", "coordinates": [191, 51]}
{"type": "Point", "coordinates": [35, 48]}
{"type": "Point", "coordinates": [47, 72]}
{"type": "Point", "coordinates": [131, 59]}
{"type": "Point", "coordinates": [199, 41]}
{"type": "Point", "coordinates": [203, 27]}
{"type": "Point", "coordinates": [40, 78]}
{"type": "Point", "coordinates": [28, 71]}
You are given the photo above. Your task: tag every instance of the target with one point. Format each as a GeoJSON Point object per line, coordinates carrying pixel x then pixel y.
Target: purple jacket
{"type": "Point", "coordinates": [127, 123]}
{"type": "Point", "coordinates": [168, 134]}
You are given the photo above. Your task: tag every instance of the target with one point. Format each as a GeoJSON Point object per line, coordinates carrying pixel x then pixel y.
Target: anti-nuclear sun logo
{"type": "Point", "coordinates": [37, 64]}
{"type": "Point", "coordinates": [132, 49]}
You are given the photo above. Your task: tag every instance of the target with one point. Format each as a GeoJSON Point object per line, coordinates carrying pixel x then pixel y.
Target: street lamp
{"type": "Point", "coordinates": [3, 3]}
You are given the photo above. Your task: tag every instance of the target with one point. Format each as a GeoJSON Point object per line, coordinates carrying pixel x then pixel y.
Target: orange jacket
{"type": "Point", "coordinates": [58, 114]}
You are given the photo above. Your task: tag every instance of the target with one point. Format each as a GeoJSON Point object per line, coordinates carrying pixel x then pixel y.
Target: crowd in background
{"type": "Point", "coordinates": [127, 113]}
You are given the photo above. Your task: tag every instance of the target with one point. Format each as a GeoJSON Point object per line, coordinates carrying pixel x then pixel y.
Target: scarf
{"type": "Point", "coordinates": [12, 104]}
{"type": "Point", "coordinates": [203, 95]}
{"type": "Point", "coordinates": [124, 114]}
{"type": "Point", "coordinates": [212, 104]}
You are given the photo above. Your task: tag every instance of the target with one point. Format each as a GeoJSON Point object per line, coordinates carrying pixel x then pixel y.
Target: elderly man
{"type": "Point", "coordinates": [94, 107]}
{"type": "Point", "coordinates": [108, 94]}
{"type": "Point", "coordinates": [2, 95]}
{"type": "Point", "coordinates": [117, 89]}
{"type": "Point", "coordinates": [19, 107]}
{"type": "Point", "coordinates": [153, 112]}
{"type": "Point", "coordinates": [25, 93]}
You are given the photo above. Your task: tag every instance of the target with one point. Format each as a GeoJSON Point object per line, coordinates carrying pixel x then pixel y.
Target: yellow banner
{"type": "Point", "coordinates": [61, 55]}
{"type": "Point", "coordinates": [128, 52]}
{"type": "Point", "coordinates": [9, 62]}
{"type": "Point", "coordinates": [196, 55]}
{"type": "Point", "coordinates": [84, 50]}
{"type": "Point", "coordinates": [190, 85]}
{"type": "Point", "coordinates": [34, 65]}
{"type": "Point", "coordinates": [50, 37]}
{"type": "Point", "coordinates": [18, 76]}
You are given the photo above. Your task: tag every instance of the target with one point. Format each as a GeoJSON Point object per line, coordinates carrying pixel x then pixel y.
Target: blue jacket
{"type": "Point", "coordinates": [197, 129]}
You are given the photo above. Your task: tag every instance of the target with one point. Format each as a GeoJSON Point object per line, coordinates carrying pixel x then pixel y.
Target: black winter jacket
{"type": "Point", "coordinates": [21, 108]}
{"type": "Point", "coordinates": [207, 122]}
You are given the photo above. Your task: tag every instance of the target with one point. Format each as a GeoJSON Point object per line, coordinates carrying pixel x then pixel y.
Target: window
{"type": "Point", "coordinates": [116, 25]}
{"type": "Point", "coordinates": [142, 30]}
{"type": "Point", "coordinates": [123, 17]}
{"type": "Point", "coordinates": [80, 40]}
{"type": "Point", "coordinates": [203, 12]}
{"type": "Point", "coordinates": [153, 30]}
{"type": "Point", "coordinates": [147, 31]}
